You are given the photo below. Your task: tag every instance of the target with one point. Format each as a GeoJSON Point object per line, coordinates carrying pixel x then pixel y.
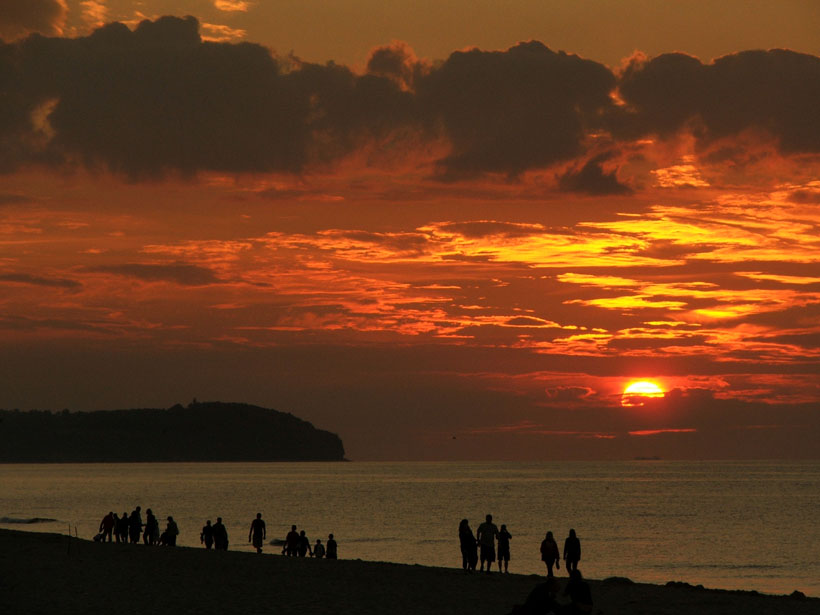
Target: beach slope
{"type": "Point", "coordinates": [50, 573]}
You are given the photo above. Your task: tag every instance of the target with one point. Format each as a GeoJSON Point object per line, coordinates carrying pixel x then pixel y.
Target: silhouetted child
{"type": "Point", "coordinates": [486, 536]}
{"type": "Point", "coordinates": [332, 548]}
{"type": "Point", "coordinates": [504, 538]}
{"type": "Point", "coordinates": [220, 535]}
{"type": "Point", "coordinates": [578, 591]}
{"type": "Point", "coordinates": [304, 544]}
{"type": "Point", "coordinates": [572, 551]}
{"type": "Point", "coordinates": [549, 553]}
{"type": "Point", "coordinates": [318, 549]}
{"type": "Point", "coordinates": [206, 536]}
{"type": "Point", "coordinates": [469, 548]}
{"type": "Point", "coordinates": [257, 532]}
{"type": "Point", "coordinates": [291, 547]}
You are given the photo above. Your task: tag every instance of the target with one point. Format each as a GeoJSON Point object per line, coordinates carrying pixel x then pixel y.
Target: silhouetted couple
{"type": "Point", "coordinates": [572, 552]}
{"type": "Point", "coordinates": [214, 535]}
{"type": "Point", "coordinates": [298, 544]}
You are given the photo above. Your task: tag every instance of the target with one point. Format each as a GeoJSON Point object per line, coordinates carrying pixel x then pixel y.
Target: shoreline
{"type": "Point", "coordinates": [54, 573]}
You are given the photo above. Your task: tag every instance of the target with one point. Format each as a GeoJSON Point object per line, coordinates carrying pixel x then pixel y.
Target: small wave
{"type": "Point", "coordinates": [27, 521]}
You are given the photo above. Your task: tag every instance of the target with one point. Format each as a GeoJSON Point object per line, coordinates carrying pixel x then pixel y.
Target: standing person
{"type": "Point", "coordinates": [504, 538]}
{"type": "Point", "coordinates": [122, 527]}
{"type": "Point", "coordinates": [469, 547]}
{"type": "Point", "coordinates": [220, 535]}
{"type": "Point", "coordinates": [304, 544]}
{"type": "Point", "coordinates": [135, 525]}
{"type": "Point", "coordinates": [107, 527]}
{"type": "Point", "coordinates": [171, 532]}
{"type": "Point", "coordinates": [572, 552]}
{"type": "Point", "coordinates": [206, 536]}
{"type": "Point", "coordinates": [318, 549]}
{"type": "Point", "coordinates": [549, 553]}
{"type": "Point", "coordinates": [332, 548]}
{"type": "Point", "coordinates": [151, 534]}
{"type": "Point", "coordinates": [291, 547]}
{"type": "Point", "coordinates": [258, 532]}
{"type": "Point", "coordinates": [486, 535]}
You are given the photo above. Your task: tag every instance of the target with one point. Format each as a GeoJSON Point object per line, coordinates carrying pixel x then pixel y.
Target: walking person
{"type": "Point", "coordinates": [107, 527]}
{"type": "Point", "coordinates": [169, 536]}
{"type": "Point", "coordinates": [122, 528]}
{"type": "Point", "coordinates": [504, 538]}
{"type": "Point", "coordinates": [549, 553]}
{"type": "Point", "coordinates": [291, 547]}
{"type": "Point", "coordinates": [258, 532]}
{"type": "Point", "coordinates": [332, 548]}
{"type": "Point", "coordinates": [220, 535]}
{"type": "Point", "coordinates": [304, 545]}
{"type": "Point", "coordinates": [469, 547]}
{"type": "Point", "coordinates": [151, 535]}
{"type": "Point", "coordinates": [486, 535]}
{"type": "Point", "coordinates": [572, 552]}
{"type": "Point", "coordinates": [135, 525]}
{"type": "Point", "coordinates": [206, 536]}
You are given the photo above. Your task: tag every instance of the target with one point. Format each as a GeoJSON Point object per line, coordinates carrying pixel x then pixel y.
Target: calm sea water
{"type": "Point", "coordinates": [733, 525]}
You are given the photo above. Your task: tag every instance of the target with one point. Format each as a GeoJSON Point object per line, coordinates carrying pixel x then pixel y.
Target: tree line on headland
{"type": "Point", "coordinates": [211, 431]}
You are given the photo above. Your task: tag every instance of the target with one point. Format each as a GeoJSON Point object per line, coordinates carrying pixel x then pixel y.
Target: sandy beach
{"type": "Point", "coordinates": [50, 573]}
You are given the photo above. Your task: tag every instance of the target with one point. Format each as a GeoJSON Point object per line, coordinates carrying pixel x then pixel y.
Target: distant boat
{"type": "Point", "coordinates": [649, 458]}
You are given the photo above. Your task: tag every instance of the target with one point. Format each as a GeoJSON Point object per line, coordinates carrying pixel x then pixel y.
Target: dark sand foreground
{"type": "Point", "coordinates": [54, 574]}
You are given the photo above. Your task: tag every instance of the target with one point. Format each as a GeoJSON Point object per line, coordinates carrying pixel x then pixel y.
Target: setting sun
{"type": "Point", "coordinates": [636, 392]}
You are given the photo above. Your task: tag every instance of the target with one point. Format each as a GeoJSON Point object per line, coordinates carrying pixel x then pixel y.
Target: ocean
{"type": "Point", "coordinates": [752, 525]}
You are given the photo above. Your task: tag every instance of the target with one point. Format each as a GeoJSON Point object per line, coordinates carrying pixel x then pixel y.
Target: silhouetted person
{"type": "Point", "coordinates": [318, 549]}
{"type": "Point", "coordinates": [504, 538]}
{"type": "Point", "coordinates": [541, 600]}
{"type": "Point", "coordinates": [332, 548]}
{"type": "Point", "coordinates": [291, 547]}
{"type": "Point", "coordinates": [572, 551]}
{"type": "Point", "coordinates": [486, 535]}
{"type": "Point", "coordinates": [258, 532]}
{"type": "Point", "coordinates": [549, 553]}
{"type": "Point", "coordinates": [122, 528]}
{"type": "Point", "coordinates": [578, 591]}
{"type": "Point", "coordinates": [151, 534]}
{"type": "Point", "coordinates": [107, 527]}
{"type": "Point", "coordinates": [206, 536]}
{"type": "Point", "coordinates": [169, 536]}
{"type": "Point", "coordinates": [469, 547]}
{"type": "Point", "coordinates": [135, 525]}
{"type": "Point", "coordinates": [220, 535]}
{"type": "Point", "coordinates": [304, 544]}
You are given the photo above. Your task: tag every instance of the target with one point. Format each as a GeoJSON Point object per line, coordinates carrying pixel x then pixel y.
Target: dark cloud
{"type": "Point", "coordinates": [35, 280]}
{"type": "Point", "coordinates": [774, 91]}
{"type": "Point", "coordinates": [21, 17]}
{"type": "Point", "coordinates": [592, 179]}
{"type": "Point", "coordinates": [12, 199]}
{"type": "Point", "coordinates": [159, 100]}
{"type": "Point", "coordinates": [509, 111]}
{"type": "Point", "coordinates": [178, 273]}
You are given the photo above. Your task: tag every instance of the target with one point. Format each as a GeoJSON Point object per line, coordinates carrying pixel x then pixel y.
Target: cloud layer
{"type": "Point", "coordinates": [160, 100]}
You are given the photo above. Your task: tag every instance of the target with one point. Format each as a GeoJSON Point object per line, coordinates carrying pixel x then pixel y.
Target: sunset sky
{"type": "Point", "coordinates": [442, 230]}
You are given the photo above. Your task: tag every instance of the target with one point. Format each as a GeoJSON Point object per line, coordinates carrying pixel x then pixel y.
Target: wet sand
{"type": "Point", "coordinates": [54, 574]}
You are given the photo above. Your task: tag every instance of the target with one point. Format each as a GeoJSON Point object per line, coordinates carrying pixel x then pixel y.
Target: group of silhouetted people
{"type": "Point", "coordinates": [482, 547]}
{"type": "Point", "coordinates": [130, 528]}
{"type": "Point", "coordinates": [297, 544]}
